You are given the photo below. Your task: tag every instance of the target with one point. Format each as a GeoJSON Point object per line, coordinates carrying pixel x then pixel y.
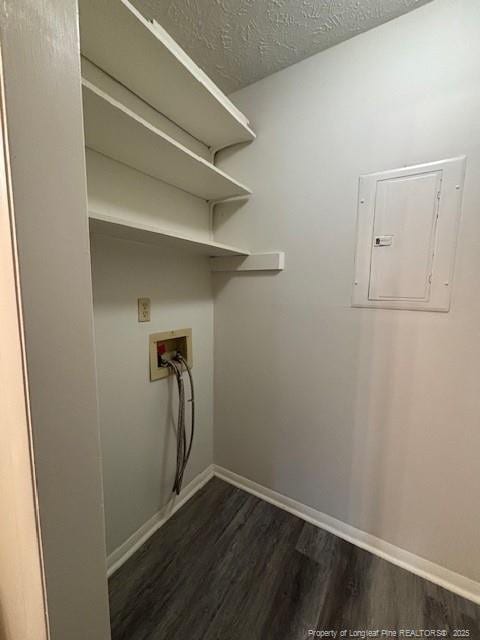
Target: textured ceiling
{"type": "Point", "coordinates": [237, 42]}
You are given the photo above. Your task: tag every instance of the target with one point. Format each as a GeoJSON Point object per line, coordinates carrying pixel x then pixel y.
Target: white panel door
{"type": "Point", "coordinates": [403, 243]}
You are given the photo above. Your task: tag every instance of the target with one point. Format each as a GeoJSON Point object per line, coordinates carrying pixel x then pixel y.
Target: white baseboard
{"type": "Point", "coordinates": [137, 539]}
{"type": "Point", "coordinates": [435, 573]}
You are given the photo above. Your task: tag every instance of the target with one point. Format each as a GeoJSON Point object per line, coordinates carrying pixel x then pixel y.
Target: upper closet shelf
{"type": "Point", "coordinates": [143, 57]}
{"type": "Point", "coordinates": [117, 132]}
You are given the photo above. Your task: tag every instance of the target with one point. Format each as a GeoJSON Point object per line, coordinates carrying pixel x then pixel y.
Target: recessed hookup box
{"type": "Point", "coordinates": [167, 344]}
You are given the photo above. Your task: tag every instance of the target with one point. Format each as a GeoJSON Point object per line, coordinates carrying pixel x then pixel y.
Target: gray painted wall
{"type": "Point", "coordinates": [138, 417]}
{"type": "Point", "coordinates": [369, 416]}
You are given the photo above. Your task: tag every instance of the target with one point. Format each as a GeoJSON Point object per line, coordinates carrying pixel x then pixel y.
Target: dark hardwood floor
{"type": "Point", "coordinates": [229, 566]}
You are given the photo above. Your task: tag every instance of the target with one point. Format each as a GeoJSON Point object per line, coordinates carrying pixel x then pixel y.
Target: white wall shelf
{"type": "Point", "coordinates": [144, 99]}
{"type": "Point", "coordinates": [146, 234]}
{"type": "Point", "coordinates": [270, 261]}
{"type": "Point", "coordinates": [117, 132]}
{"type": "Point", "coordinates": [143, 57]}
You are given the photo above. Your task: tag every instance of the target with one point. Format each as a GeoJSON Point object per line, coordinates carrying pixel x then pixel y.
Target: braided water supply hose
{"type": "Point", "coordinates": [183, 451]}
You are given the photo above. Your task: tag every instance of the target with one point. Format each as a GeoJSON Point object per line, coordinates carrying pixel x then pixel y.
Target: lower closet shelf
{"type": "Point", "coordinates": [146, 234]}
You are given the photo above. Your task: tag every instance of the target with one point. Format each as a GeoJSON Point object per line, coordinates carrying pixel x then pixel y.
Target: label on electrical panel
{"type": "Point", "coordinates": [383, 241]}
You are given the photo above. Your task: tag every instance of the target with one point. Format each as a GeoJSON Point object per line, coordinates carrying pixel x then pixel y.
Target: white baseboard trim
{"type": "Point", "coordinates": [137, 539]}
{"type": "Point", "coordinates": [435, 573]}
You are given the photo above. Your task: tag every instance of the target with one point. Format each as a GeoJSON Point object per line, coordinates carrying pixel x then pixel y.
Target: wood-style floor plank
{"type": "Point", "coordinates": [229, 566]}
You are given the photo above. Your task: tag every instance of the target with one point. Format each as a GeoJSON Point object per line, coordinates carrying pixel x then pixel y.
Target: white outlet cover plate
{"type": "Point", "coordinates": [144, 309]}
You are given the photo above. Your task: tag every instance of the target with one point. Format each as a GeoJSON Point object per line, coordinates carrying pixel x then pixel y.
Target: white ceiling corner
{"type": "Point", "coordinates": [237, 42]}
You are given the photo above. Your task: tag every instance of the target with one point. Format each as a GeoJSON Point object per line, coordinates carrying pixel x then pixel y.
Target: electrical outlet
{"type": "Point", "coordinates": [144, 309]}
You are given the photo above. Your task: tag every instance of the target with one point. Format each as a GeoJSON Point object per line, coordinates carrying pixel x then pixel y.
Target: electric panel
{"type": "Point", "coordinates": [406, 236]}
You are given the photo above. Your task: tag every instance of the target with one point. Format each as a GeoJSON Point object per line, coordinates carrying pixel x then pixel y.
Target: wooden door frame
{"type": "Point", "coordinates": [22, 586]}
{"type": "Point", "coordinates": [52, 340]}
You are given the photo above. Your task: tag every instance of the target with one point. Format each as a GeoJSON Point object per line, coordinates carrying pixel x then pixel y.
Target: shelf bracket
{"type": "Point", "coordinates": [271, 261]}
{"type": "Point", "coordinates": [211, 209]}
